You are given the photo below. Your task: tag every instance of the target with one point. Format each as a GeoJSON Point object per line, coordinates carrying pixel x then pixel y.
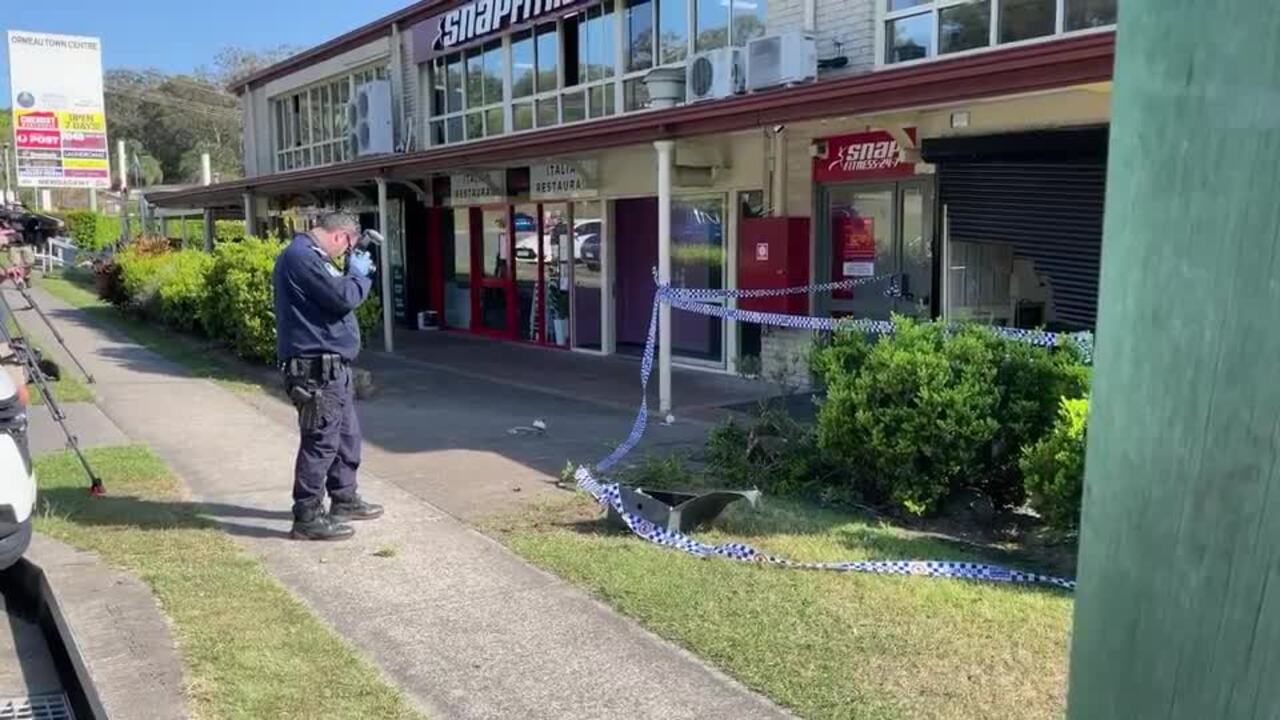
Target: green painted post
{"type": "Point", "coordinates": [1178, 608]}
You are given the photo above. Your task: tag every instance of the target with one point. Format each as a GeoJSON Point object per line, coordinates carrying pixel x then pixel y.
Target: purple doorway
{"type": "Point", "coordinates": [637, 254]}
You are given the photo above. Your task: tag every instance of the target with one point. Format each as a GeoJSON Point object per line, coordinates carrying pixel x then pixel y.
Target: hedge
{"type": "Point", "coordinates": [95, 231]}
{"type": "Point", "coordinates": [1054, 467]}
{"type": "Point", "coordinates": [928, 412]}
{"type": "Point", "coordinates": [92, 231]}
{"type": "Point", "coordinates": [227, 296]}
{"type": "Point", "coordinates": [239, 308]}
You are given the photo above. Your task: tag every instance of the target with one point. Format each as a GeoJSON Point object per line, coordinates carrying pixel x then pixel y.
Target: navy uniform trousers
{"type": "Point", "coordinates": [329, 451]}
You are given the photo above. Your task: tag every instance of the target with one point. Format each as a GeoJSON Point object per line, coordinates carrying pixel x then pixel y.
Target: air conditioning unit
{"type": "Point", "coordinates": [784, 59]}
{"type": "Point", "coordinates": [369, 118]}
{"type": "Point", "coordinates": [715, 74]}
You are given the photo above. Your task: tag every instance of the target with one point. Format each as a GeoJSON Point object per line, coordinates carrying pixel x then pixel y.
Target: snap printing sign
{"type": "Point", "coordinates": [477, 20]}
{"type": "Point", "coordinates": [478, 188]}
{"type": "Point", "coordinates": [552, 181]}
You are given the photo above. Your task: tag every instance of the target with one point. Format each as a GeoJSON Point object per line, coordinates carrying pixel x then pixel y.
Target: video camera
{"type": "Point", "coordinates": [31, 228]}
{"type": "Point", "coordinates": [369, 238]}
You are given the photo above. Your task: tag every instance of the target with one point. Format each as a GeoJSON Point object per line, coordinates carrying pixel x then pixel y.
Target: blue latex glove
{"type": "Point", "coordinates": [360, 263]}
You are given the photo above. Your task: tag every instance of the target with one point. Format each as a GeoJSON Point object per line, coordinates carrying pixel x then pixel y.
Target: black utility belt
{"type": "Point", "coordinates": [320, 367]}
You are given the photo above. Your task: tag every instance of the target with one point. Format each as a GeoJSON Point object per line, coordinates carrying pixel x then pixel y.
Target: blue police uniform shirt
{"type": "Point", "coordinates": [315, 303]}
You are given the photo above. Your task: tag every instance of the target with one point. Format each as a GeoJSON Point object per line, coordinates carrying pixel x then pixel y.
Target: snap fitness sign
{"type": "Point", "coordinates": [479, 19]}
{"type": "Point", "coordinates": [863, 156]}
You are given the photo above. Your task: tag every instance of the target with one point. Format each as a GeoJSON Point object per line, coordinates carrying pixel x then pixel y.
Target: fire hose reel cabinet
{"type": "Point", "coordinates": [774, 253]}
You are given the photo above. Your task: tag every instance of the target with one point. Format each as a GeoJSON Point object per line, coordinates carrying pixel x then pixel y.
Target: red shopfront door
{"type": "Point", "coordinates": [520, 271]}
{"type": "Point", "coordinates": [493, 290]}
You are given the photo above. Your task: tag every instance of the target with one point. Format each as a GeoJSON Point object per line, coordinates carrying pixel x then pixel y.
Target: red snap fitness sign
{"type": "Point", "coordinates": [871, 155]}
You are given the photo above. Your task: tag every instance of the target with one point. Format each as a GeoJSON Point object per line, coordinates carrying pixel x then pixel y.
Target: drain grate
{"type": "Point", "coordinates": [36, 707]}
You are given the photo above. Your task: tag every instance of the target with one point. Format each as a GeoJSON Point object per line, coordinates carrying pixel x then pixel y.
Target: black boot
{"type": "Point", "coordinates": [313, 523]}
{"type": "Point", "coordinates": [353, 508]}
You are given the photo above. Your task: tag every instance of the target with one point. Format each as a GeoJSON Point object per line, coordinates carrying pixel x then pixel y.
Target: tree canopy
{"type": "Point", "coordinates": [169, 120]}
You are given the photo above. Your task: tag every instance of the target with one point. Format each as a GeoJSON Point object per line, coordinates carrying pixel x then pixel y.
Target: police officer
{"type": "Point", "coordinates": [317, 340]}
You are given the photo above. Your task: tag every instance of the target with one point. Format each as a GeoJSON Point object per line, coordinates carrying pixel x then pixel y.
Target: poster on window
{"type": "Point", "coordinates": [59, 119]}
{"type": "Point", "coordinates": [853, 248]}
{"type": "Point", "coordinates": [856, 241]}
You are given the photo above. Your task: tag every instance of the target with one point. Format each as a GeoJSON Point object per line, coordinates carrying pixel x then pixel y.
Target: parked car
{"type": "Point", "coordinates": [526, 238]}
{"type": "Point", "coordinates": [17, 478]}
{"type": "Point", "coordinates": [587, 244]}
{"type": "Point", "coordinates": [586, 233]}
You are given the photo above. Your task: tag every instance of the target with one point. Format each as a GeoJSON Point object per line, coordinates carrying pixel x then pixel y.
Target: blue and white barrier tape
{"type": "Point", "coordinates": [697, 300]}
{"type": "Point", "coordinates": [608, 494]}
{"type": "Point", "coordinates": [711, 294]}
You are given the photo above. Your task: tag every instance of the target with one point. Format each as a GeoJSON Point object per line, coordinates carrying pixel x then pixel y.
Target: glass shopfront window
{"type": "Point", "coordinates": [528, 279]}
{"type": "Point", "coordinates": [919, 29]}
{"type": "Point", "coordinates": [310, 125]}
{"type": "Point", "coordinates": [673, 31]}
{"type": "Point", "coordinates": [590, 89]}
{"type": "Point", "coordinates": [748, 21]}
{"type": "Point", "coordinates": [588, 283]}
{"type": "Point", "coordinates": [570, 69]}
{"type": "Point", "coordinates": [639, 51]}
{"type": "Point", "coordinates": [536, 77]}
{"type": "Point", "coordinates": [467, 97]}
{"type": "Point", "coordinates": [698, 261]}
{"type": "Point", "coordinates": [457, 270]}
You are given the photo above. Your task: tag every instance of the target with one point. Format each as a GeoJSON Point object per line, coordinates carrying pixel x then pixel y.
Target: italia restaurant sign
{"type": "Point", "coordinates": [59, 119]}
{"type": "Point", "coordinates": [553, 181]}
{"type": "Point", "coordinates": [478, 187]}
{"type": "Point", "coordinates": [863, 156]}
{"type": "Point", "coordinates": [479, 19]}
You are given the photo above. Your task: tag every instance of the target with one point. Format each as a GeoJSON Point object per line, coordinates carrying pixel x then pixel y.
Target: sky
{"type": "Point", "coordinates": [179, 35]}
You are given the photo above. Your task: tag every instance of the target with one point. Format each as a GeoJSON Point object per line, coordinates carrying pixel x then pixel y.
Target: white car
{"type": "Point", "coordinates": [17, 478]}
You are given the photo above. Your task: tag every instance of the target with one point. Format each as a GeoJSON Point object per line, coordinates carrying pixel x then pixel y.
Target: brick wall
{"type": "Point", "coordinates": [844, 27]}
{"type": "Point", "coordinates": [784, 356]}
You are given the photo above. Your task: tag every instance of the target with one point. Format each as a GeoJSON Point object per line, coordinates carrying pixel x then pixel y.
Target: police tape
{"type": "Point", "coordinates": [609, 495]}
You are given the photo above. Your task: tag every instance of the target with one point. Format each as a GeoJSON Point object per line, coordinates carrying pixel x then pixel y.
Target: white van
{"type": "Point", "coordinates": [17, 478]}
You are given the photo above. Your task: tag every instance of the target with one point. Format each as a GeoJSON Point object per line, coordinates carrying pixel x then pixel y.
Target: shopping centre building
{"type": "Point", "coordinates": [533, 161]}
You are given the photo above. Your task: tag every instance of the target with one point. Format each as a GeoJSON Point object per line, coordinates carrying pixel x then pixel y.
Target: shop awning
{"type": "Point", "coordinates": [1008, 71]}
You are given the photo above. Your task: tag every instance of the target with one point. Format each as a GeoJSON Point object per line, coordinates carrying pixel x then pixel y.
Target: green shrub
{"type": "Point", "coordinates": [238, 307]}
{"type": "Point", "coordinates": [140, 280]}
{"type": "Point", "coordinates": [1031, 383]}
{"type": "Point", "coordinates": [228, 230]}
{"type": "Point", "coordinates": [777, 454]}
{"type": "Point", "coordinates": [82, 225]}
{"type": "Point", "coordinates": [916, 416]}
{"type": "Point", "coordinates": [1054, 467]}
{"type": "Point", "coordinates": [666, 472]}
{"type": "Point", "coordinates": [183, 288]}
{"type": "Point", "coordinates": [92, 231]}
{"type": "Point", "coordinates": [928, 411]}
{"type": "Point", "coordinates": [369, 317]}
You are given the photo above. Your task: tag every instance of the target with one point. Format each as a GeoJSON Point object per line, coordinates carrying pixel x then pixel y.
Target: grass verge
{"type": "Point", "coordinates": [250, 649]}
{"type": "Point", "coordinates": [203, 358]}
{"type": "Point", "coordinates": [827, 645]}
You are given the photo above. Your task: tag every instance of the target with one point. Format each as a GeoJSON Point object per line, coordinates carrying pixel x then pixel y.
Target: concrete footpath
{"type": "Point", "coordinates": [464, 626]}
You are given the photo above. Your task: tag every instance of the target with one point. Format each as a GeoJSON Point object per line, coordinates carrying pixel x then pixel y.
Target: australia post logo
{"type": "Point", "coordinates": [477, 19]}
{"type": "Point", "coordinates": [865, 155]}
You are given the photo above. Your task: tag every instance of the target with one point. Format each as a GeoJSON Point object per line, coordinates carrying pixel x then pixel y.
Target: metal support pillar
{"type": "Point", "coordinates": [666, 153]}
